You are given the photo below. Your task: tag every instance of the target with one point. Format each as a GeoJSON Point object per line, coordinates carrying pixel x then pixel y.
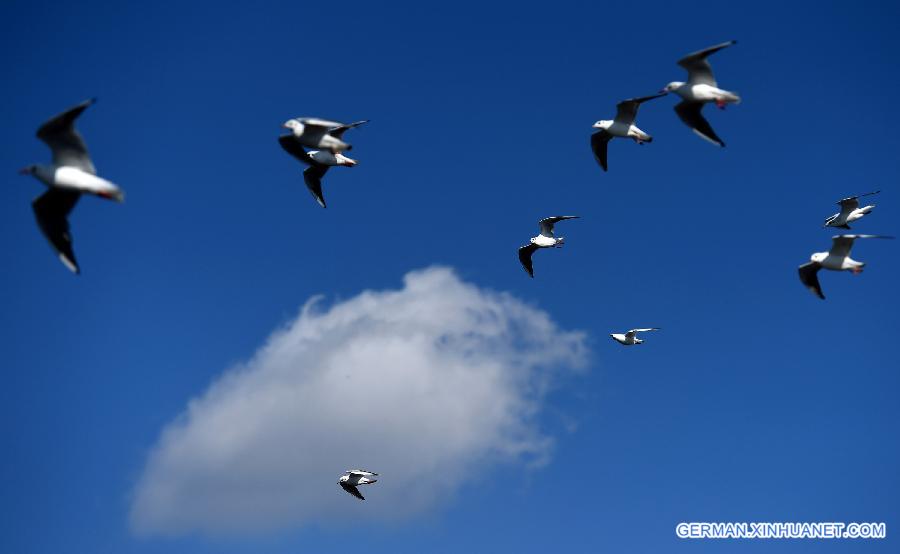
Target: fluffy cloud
{"type": "Point", "coordinates": [439, 378]}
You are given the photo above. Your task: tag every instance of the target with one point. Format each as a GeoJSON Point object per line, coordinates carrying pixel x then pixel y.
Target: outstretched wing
{"type": "Point", "coordinates": [51, 210]}
{"type": "Point", "coordinates": [525, 253]}
{"type": "Point", "coordinates": [362, 472]}
{"type": "Point", "coordinates": [312, 176]}
{"type": "Point", "coordinates": [293, 147]}
{"type": "Point", "coordinates": [809, 276]}
{"type": "Point", "coordinates": [339, 130]}
{"type": "Point", "coordinates": [319, 124]}
{"type": "Point", "coordinates": [65, 141]}
{"type": "Point", "coordinates": [852, 202]}
{"type": "Point", "coordinates": [842, 244]}
{"type": "Point", "coordinates": [697, 66]}
{"type": "Point", "coordinates": [631, 333]}
{"type": "Point", "coordinates": [599, 142]}
{"type": "Point", "coordinates": [689, 113]}
{"type": "Point", "coordinates": [547, 223]}
{"type": "Point", "coordinates": [626, 110]}
{"type": "Point", "coordinates": [352, 490]}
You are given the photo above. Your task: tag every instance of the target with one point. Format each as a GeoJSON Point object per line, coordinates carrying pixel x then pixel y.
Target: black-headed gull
{"type": "Point", "coordinates": [630, 338]}
{"type": "Point", "coordinates": [836, 259]}
{"type": "Point", "coordinates": [850, 211]}
{"type": "Point", "coordinates": [545, 239]}
{"type": "Point", "coordinates": [700, 88]}
{"type": "Point", "coordinates": [318, 161]}
{"type": "Point", "coordinates": [71, 174]}
{"type": "Point", "coordinates": [321, 133]}
{"type": "Point", "coordinates": [622, 126]}
{"type": "Point", "coordinates": [354, 477]}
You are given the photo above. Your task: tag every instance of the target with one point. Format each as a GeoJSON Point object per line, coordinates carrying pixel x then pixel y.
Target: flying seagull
{"type": "Point", "coordinates": [318, 161]}
{"type": "Point", "coordinates": [71, 174]}
{"type": "Point", "coordinates": [622, 126]}
{"type": "Point", "coordinates": [836, 259]}
{"type": "Point", "coordinates": [354, 477]}
{"type": "Point", "coordinates": [850, 211]}
{"type": "Point", "coordinates": [700, 89]}
{"type": "Point", "coordinates": [630, 338]}
{"type": "Point", "coordinates": [545, 239]}
{"type": "Point", "coordinates": [320, 133]}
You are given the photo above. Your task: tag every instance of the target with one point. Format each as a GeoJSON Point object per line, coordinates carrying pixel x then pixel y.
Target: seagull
{"type": "Point", "coordinates": [318, 160]}
{"type": "Point", "coordinates": [836, 259]}
{"type": "Point", "coordinates": [321, 133]}
{"type": "Point", "coordinates": [850, 211]}
{"type": "Point", "coordinates": [71, 174]}
{"type": "Point", "coordinates": [700, 88]}
{"type": "Point", "coordinates": [545, 239]}
{"type": "Point", "coordinates": [353, 477]}
{"type": "Point", "coordinates": [630, 338]}
{"type": "Point", "coordinates": [622, 126]}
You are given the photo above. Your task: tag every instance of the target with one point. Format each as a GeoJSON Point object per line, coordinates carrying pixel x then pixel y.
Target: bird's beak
{"type": "Point", "coordinates": [25, 171]}
{"type": "Point", "coordinates": [663, 91]}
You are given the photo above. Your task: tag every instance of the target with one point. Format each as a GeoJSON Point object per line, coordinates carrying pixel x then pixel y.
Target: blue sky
{"type": "Point", "coordinates": [757, 401]}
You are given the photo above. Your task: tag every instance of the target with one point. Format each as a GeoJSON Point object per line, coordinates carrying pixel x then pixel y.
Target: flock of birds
{"type": "Point", "coordinates": [319, 144]}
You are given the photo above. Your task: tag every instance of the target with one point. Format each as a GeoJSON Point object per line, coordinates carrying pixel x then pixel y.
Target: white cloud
{"type": "Point", "coordinates": [437, 378]}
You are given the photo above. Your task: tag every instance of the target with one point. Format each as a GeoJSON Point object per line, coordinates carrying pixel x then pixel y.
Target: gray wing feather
{"type": "Point", "coordinates": [626, 110]}
{"type": "Point", "coordinates": [809, 276]}
{"type": "Point", "coordinates": [547, 223]}
{"type": "Point", "coordinates": [339, 130]}
{"type": "Point", "coordinates": [697, 66]}
{"type": "Point", "coordinates": [65, 141]}
{"type": "Point", "coordinates": [599, 143]}
{"type": "Point", "coordinates": [51, 210]}
{"type": "Point", "coordinates": [689, 113]}
{"type": "Point", "coordinates": [525, 253]}
{"type": "Point", "coordinates": [352, 490]}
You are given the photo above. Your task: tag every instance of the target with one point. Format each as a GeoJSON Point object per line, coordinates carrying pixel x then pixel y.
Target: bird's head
{"type": "Point", "coordinates": [294, 126]}
{"type": "Point", "coordinates": [818, 257]}
{"type": "Point", "coordinates": [531, 240]}
{"type": "Point", "coordinates": [672, 87]}
{"type": "Point", "coordinates": [602, 124]}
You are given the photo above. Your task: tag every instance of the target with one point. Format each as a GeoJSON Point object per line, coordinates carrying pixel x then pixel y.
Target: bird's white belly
{"type": "Point", "coordinates": [702, 93]}
{"type": "Point", "coordinates": [545, 241]}
{"type": "Point", "coordinates": [74, 178]}
{"type": "Point", "coordinates": [836, 263]}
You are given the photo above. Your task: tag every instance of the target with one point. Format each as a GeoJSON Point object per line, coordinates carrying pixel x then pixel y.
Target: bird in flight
{"type": "Point", "coordinates": [836, 259]}
{"type": "Point", "coordinates": [354, 477]}
{"type": "Point", "coordinates": [321, 133]}
{"type": "Point", "coordinates": [850, 211]}
{"type": "Point", "coordinates": [700, 89]}
{"type": "Point", "coordinates": [630, 338]}
{"type": "Point", "coordinates": [71, 174]}
{"type": "Point", "coordinates": [546, 239]}
{"type": "Point", "coordinates": [622, 126]}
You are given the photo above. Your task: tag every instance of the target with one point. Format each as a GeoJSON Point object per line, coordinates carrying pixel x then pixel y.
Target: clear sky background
{"type": "Point", "coordinates": [756, 402]}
